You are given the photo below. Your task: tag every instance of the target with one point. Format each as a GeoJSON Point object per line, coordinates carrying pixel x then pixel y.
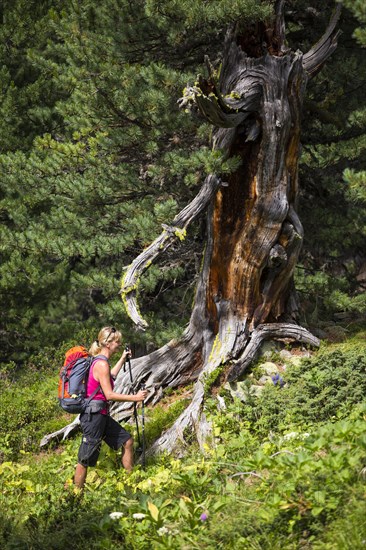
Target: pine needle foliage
{"type": "Point", "coordinates": [330, 276]}
{"type": "Point", "coordinates": [105, 158]}
{"type": "Point", "coordinates": [96, 155]}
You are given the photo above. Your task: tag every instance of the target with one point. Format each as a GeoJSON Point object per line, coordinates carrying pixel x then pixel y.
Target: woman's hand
{"type": "Point", "coordinates": [121, 361]}
{"type": "Point", "coordinates": [127, 354]}
{"type": "Point", "coordinates": [141, 395]}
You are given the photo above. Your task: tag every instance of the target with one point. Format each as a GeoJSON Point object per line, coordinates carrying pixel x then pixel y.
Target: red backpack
{"type": "Point", "coordinates": [73, 382]}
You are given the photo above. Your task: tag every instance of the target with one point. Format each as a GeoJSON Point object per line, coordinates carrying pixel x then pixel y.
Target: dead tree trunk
{"type": "Point", "coordinates": [245, 292]}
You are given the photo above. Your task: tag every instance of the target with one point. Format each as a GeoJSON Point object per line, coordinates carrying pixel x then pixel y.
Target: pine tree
{"type": "Point", "coordinates": [27, 110]}
{"type": "Point", "coordinates": [109, 158]}
{"type": "Point", "coordinates": [357, 180]}
{"type": "Point", "coordinates": [28, 92]}
{"type": "Point", "coordinates": [330, 275]}
{"type": "Point", "coordinates": [97, 155]}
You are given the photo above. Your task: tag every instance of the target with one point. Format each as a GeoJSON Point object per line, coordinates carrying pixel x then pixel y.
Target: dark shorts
{"type": "Point", "coordinates": [97, 428]}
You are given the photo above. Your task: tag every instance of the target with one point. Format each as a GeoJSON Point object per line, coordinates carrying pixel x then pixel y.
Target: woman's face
{"type": "Point", "coordinates": [114, 346]}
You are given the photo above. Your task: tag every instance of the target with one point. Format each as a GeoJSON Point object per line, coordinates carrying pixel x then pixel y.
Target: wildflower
{"type": "Point", "coordinates": [290, 435]}
{"type": "Point", "coordinates": [163, 531]}
{"type": "Point", "coordinates": [277, 379]}
{"type": "Point", "coordinates": [116, 515]}
{"type": "Point", "coordinates": [204, 517]}
{"type": "Point", "coordinates": [139, 516]}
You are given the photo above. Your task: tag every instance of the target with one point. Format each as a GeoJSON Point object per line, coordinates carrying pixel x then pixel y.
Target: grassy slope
{"type": "Point", "coordinates": [285, 470]}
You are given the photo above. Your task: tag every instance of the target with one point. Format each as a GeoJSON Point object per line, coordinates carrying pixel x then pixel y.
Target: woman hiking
{"type": "Point", "coordinates": [99, 426]}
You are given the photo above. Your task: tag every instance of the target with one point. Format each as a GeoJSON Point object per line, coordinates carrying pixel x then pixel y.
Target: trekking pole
{"type": "Point", "coordinates": [143, 461]}
{"type": "Point", "coordinates": [134, 403]}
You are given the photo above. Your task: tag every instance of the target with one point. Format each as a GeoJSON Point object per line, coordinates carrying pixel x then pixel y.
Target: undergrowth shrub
{"type": "Point", "coordinates": [28, 403]}
{"type": "Point", "coordinates": [321, 388]}
{"type": "Point", "coordinates": [161, 418]}
{"type": "Point", "coordinates": [284, 494]}
{"type": "Point", "coordinates": [28, 410]}
{"type": "Point", "coordinates": [283, 471]}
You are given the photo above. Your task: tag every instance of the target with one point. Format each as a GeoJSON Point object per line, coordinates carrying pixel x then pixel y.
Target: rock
{"type": "Point", "coordinates": [285, 354]}
{"type": "Point", "coordinates": [243, 390]}
{"type": "Point", "coordinates": [268, 348]}
{"type": "Point", "coordinates": [294, 360]}
{"type": "Point", "coordinates": [236, 389]}
{"type": "Point", "coordinates": [256, 390]}
{"type": "Point", "coordinates": [268, 368]}
{"type": "Point", "coordinates": [336, 333]}
{"type": "Point", "coordinates": [343, 316]}
{"type": "Point", "coordinates": [265, 380]}
{"type": "Point", "coordinates": [221, 403]}
{"type": "Point", "coordinates": [319, 333]}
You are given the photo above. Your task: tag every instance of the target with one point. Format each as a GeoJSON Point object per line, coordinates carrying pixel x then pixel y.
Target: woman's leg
{"type": "Point", "coordinates": [80, 475]}
{"type": "Point", "coordinates": [93, 429]}
{"type": "Point", "coordinates": [118, 438]}
{"type": "Point", "coordinates": [127, 455]}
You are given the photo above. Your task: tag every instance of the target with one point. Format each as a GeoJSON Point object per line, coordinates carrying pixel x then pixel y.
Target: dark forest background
{"type": "Point", "coordinates": [96, 155]}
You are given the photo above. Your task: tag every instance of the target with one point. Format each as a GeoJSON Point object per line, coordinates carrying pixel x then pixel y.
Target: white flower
{"type": "Point", "coordinates": [139, 516]}
{"type": "Point", "coordinates": [163, 531]}
{"type": "Point", "coordinates": [116, 515]}
{"type": "Point", "coordinates": [290, 435]}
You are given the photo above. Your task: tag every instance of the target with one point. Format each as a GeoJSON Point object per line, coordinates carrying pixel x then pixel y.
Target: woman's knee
{"type": "Point", "coordinates": [129, 443]}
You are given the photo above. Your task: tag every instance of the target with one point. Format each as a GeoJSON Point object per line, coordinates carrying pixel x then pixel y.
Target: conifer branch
{"type": "Point", "coordinates": [118, 111]}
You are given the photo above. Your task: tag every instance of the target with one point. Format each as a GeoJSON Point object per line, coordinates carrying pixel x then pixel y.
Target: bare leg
{"type": "Point", "coordinates": [80, 475]}
{"type": "Point", "coordinates": [127, 455]}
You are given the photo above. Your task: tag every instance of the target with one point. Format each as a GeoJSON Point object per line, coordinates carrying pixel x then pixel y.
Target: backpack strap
{"type": "Point", "coordinates": [100, 357]}
{"type": "Point", "coordinates": [63, 387]}
{"type": "Point", "coordinates": [94, 360]}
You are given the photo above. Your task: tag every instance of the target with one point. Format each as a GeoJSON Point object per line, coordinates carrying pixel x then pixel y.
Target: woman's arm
{"type": "Point", "coordinates": [102, 373]}
{"type": "Point", "coordinates": [117, 367]}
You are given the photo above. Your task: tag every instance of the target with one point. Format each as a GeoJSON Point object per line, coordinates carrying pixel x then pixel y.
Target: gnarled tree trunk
{"type": "Point", "coordinates": [245, 292]}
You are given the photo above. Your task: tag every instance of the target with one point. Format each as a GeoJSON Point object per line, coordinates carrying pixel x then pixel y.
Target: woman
{"type": "Point", "coordinates": [100, 426]}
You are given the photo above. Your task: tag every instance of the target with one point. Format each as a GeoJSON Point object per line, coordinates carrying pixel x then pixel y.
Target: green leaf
{"type": "Point", "coordinates": [153, 511]}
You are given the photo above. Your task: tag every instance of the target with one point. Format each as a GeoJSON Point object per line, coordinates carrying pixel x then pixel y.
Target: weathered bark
{"type": "Point", "coordinates": [267, 332]}
{"type": "Point", "coordinates": [245, 292]}
{"type": "Point", "coordinates": [169, 235]}
{"type": "Point", "coordinates": [315, 58]}
{"type": "Point", "coordinates": [173, 440]}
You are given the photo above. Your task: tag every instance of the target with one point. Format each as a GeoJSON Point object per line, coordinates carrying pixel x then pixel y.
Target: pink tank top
{"type": "Point", "coordinates": [92, 386]}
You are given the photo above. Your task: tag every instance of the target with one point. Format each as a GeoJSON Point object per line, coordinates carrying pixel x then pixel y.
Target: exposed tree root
{"type": "Point", "coordinates": [193, 418]}
{"type": "Point", "coordinates": [62, 434]}
{"type": "Point", "coordinates": [169, 367]}
{"type": "Point", "coordinates": [268, 332]}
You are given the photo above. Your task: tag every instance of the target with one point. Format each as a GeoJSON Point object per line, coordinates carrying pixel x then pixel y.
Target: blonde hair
{"type": "Point", "coordinates": [105, 336]}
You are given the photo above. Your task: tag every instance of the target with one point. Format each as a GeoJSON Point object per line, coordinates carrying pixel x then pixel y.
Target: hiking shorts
{"type": "Point", "coordinates": [97, 428]}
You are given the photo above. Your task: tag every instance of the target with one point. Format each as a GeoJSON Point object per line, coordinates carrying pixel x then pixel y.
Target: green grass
{"type": "Point", "coordinates": [284, 472]}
